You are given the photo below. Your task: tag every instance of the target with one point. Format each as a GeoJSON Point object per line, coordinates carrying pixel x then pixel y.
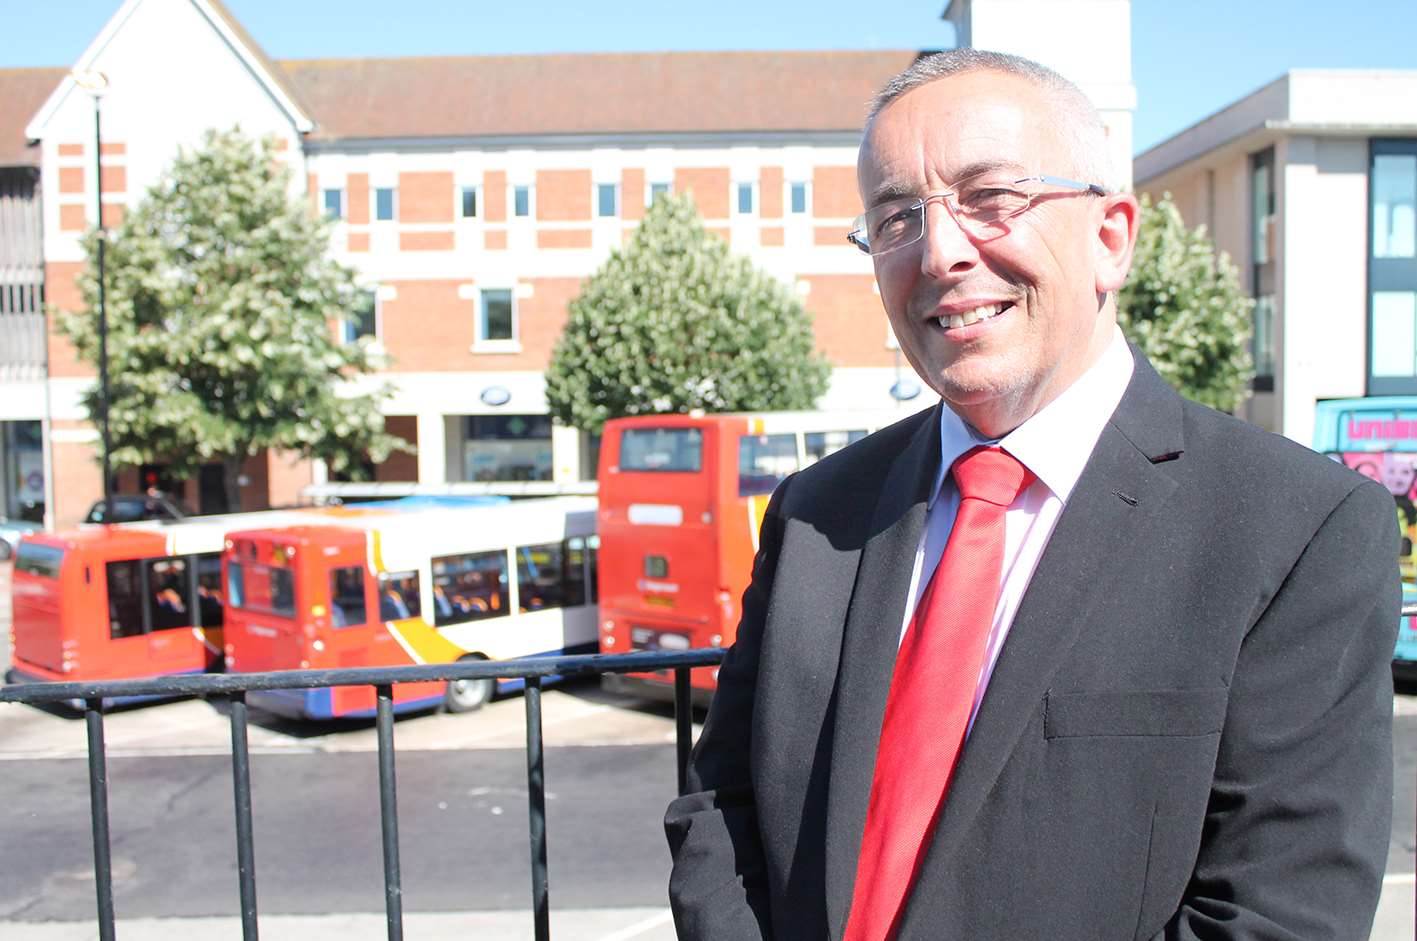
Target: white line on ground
{"type": "Point", "coordinates": [639, 928]}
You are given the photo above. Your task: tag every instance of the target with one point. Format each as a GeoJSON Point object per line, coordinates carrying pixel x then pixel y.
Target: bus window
{"type": "Point", "coordinates": [577, 570]}
{"type": "Point", "coordinates": [593, 566]}
{"type": "Point", "coordinates": [821, 443]}
{"type": "Point", "coordinates": [125, 600]}
{"type": "Point", "coordinates": [763, 462]}
{"type": "Point", "coordinates": [541, 576]}
{"type": "Point", "coordinates": [210, 608]}
{"type": "Point", "coordinates": [398, 596]}
{"type": "Point", "coordinates": [662, 450]}
{"type": "Point", "coordinates": [39, 560]}
{"type": "Point", "coordinates": [257, 587]}
{"type": "Point", "coordinates": [347, 596]}
{"type": "Point", "coordinates": [168, 596]}
{"type": "Point", "coordinates": [469, 587]}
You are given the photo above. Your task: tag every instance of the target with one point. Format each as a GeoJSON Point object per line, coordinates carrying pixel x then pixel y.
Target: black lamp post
{"type": "Point", "coordinates": [96, 83]}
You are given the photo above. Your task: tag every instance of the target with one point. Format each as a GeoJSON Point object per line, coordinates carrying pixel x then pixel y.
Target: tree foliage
{"type": "Point", "coordinates": [1183, 306]}
{"type": "Point", "coordinates": [220, 294]}
{"type": "Point", "coordinates": [675, 322]}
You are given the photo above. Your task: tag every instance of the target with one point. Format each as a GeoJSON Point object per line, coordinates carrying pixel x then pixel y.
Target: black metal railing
{"type": "Point", "coordinates": [234, 686]}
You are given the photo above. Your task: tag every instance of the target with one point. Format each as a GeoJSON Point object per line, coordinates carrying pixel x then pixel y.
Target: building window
{"type": "Point", "coordinates": [506, 447]}
{"type": "Point", "coordinates": [1263, 268]}
{"type": "Point", "coordinates": [607, 199]}
{"type": "Point", "coordinates": [384, 204]}
{"type": "Point", "coordinates": [747, 202]}
{"type": "Point", "coordinates": [797, 198]}
{"type": "Point", "coordinates": [468, 206]}
{"type": "Point", "coordinates": [521, 201]}
{"type": "Point", "coordinates": [655, 191]}
{"type": "Point", "coordinates": [1392, 268]}
{"type": "Point", "coordinates": [362, 319]}
{"type": "Point", "coordinates": [333, 201]}
{"type": "Point", "coordinates": [496, 316]}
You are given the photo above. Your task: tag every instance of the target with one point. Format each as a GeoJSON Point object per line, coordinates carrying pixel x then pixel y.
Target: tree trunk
{"type": "Point", "coordinates": [231, 474]}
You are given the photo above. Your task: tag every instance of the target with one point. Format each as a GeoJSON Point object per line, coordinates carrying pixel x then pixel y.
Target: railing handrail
{"type": "Point", "coordinates": [221, 684]}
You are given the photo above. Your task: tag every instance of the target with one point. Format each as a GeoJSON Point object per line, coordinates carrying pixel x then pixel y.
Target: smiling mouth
{"type": "Point", "coordinates": [970, 317]}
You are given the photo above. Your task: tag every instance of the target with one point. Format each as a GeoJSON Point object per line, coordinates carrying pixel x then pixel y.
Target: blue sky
{"type": "Point", "coordinates": [1189, 59]}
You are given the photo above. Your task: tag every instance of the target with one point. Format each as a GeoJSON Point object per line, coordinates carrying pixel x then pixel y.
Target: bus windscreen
{"type": "Point", "coordinates": [35, 559]}
{"type": "Point", "coordinates": [662, 450]}
{"type": "Point", "coordinates": [265, 588]}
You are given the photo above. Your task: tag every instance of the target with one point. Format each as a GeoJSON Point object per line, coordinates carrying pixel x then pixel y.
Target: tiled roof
{"type": "Point", "coordinates": [22, 93]}
{"type": "Point", "coordinates": [513, 96]}
{"type": "Point", "coordinates": [600, 93]}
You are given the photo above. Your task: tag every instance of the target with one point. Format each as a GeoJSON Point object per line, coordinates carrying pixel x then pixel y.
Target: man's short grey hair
{"type": "Point", "coordinates": [1077, 115]}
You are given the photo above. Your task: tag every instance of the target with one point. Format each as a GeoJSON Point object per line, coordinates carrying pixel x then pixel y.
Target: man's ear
{"type": "Point", "coordinates": [1116, 237]}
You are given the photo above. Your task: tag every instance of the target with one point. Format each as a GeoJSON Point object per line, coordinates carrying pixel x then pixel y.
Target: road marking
{"type": "Point", "coordinates": [640, 927]}
{"type": "Point", "coordinates": [1400, 878]}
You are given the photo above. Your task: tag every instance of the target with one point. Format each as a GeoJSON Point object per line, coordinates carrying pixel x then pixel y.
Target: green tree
{"type": "Point", "coordinates": [674, 322]}
{"type": "Point", "coordinates": [1184, 307]}
{"type": "Point", "coordinates": [220, 294]}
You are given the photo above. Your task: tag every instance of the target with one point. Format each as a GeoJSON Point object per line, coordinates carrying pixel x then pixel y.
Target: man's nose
{"type": "Point", "coordinates": [946, 249]}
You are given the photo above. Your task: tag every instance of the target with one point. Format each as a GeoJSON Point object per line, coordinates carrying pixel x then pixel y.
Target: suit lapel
{"type": "Point", "coordinates": [1118, 499]}
{"type": "Point", "coordinates": [871, 637]}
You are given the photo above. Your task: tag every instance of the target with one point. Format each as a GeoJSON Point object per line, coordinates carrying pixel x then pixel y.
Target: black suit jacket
{"type": "Point", "coordinates": [1187, 734]}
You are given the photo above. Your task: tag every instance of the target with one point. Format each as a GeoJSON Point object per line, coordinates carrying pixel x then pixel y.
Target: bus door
{"type": "Point", "coordinates": [352, 638]}
{"type": "Point", "coordinates": [170, 614]}
{"type": "Point", "coordinates": [39, 641]}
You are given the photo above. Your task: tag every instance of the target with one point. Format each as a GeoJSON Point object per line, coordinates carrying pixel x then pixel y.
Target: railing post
{"type": "Point", "coordinates": [98, 815]}
{"type": "Point", "coordinates": [536, 803]}
{"type": "Point", "coordinates": [245, 842]}
{"type": "Point", "coordinates": [683, 725]}
{"type": "Point", "coordinates": [389, 814]}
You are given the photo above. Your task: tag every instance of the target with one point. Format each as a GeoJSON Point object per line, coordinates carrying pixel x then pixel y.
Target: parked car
{"type": "Point", "coordinates": [130, 507]}
{"type": "Point", "coordinates": [10, 533]}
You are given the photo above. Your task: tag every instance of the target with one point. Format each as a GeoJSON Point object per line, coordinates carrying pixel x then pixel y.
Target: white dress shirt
{"type": "Point", "coordinates": [1055, 445]}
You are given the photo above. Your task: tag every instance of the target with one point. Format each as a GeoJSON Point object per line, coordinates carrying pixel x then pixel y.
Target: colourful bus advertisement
{"type": "Point", "coordinates": [1377, 437]}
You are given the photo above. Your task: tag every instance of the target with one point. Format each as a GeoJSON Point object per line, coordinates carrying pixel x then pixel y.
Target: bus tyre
{"type": "Point", "coordinates": [468, 695]}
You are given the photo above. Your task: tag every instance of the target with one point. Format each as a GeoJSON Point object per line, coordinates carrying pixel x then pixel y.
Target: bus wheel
{"type": "Point", "coordinates": [468, 695]}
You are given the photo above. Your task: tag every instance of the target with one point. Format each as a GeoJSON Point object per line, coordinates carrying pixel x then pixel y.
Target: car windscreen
{"type": "Point", "coordinates": [661, 450]}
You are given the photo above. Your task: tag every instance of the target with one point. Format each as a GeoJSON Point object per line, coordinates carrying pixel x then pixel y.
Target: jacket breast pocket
{"type": "Point", "coordinates": [1177, 712]}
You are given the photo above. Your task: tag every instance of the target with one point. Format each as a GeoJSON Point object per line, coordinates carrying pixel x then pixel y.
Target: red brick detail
{"type": "Point", "coordinates": [312, 187]}
{"type": "Point", "coordinates": [720, 231]}
{"type": "Point", "coordinates": [830, 235]}
{"type": "Point", "coordinates": [72, 217]}
{"type": "Point", "coordinates": [494, 199]}
{"type": "Point", "coordinates": [440, 241]}
{"type": "Point", "coordinates": [78, 481]}
{"type": "Point", "coordinates": [770, 193]}
{"type": "Point", "coordinates": [771, 236]}
{"type": "Point", "coordinates": [400, 466]}
{"type": "Point", "coordinates": [113, 214]}
{"type": "Point", "coordinates": [358, 241]}
{"type": "Point", "coordinates": [114, 148]}
{"type": "Point", "coordinates": [357, 198]}
{"type": "Point", "coordinates": [115, 179]}
{"type": "Point", "coordinates": [632, 193]}
{"type": "Point", "coordinates": [287, 473]}
{"type": "Point", "coordinates": [282, 145]}
{"type": "Point", "coordinates": [71, 179]}
{"type": "Point", "coordinates": [495, 239]}
{"type": "Point", "coordinates": [563, 195]}
{"type": "Point", "coordinates": [426, 197]}
{"type": "Point", "coordinates": [71, 150]}
{"type": "Point", "coordinates": [848, 319]}
{"type": "Point", "coordinates": [709, 187]}
{"type": "Point", "coordinates": [563, 238]}
{"type": "Point", "coordinates": [61, 290]}
{"type": "Point", "coordinates": [834, 193]}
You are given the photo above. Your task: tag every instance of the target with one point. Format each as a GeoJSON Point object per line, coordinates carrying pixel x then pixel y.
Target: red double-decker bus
{"type": "Point", "coordinates": [681, 500]}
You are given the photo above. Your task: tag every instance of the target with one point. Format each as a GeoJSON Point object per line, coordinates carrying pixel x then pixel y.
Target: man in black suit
{"type": "Point", "coordinates": [1176, 712]}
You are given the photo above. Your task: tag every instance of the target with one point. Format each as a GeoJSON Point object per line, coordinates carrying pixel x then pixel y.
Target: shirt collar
{"type": "Point", "coordinates": [1056, 441]}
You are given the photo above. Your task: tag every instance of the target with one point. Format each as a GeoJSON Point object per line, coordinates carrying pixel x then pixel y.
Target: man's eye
{"type": "Point", "coordinates": [892, 222]}
{"type": "Point", "coordinates": [991, 199]}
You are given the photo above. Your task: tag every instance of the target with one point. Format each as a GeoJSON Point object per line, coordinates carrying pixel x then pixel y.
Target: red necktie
{"type": "Point", "coordinates": [932, 693]}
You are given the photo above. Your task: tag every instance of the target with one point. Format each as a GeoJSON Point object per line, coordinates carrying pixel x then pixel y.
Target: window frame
{"type": "Point", "coordinates": [752, 186]}
{"type": "Point", "coordinates": [598, 191]}
{"type": "Point", "coordinates": [806, 210]}
{"type": "Point", "coordinates": [481, 342]}
{"type": "Point", "coordinates": [347, 337]}
{"type": "Point", "coordinates": [649, 190]}
{"type": "Point", "coordinates": [1396, 275]}
{"type": "Point", "coordinates": [530, 201]}
{"type": "Point", "coordinates": [393, 192]}
{"type": "Point", "coordinates": [343, 213]}
{"type": "Point", "coordinates": [461, 201]}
